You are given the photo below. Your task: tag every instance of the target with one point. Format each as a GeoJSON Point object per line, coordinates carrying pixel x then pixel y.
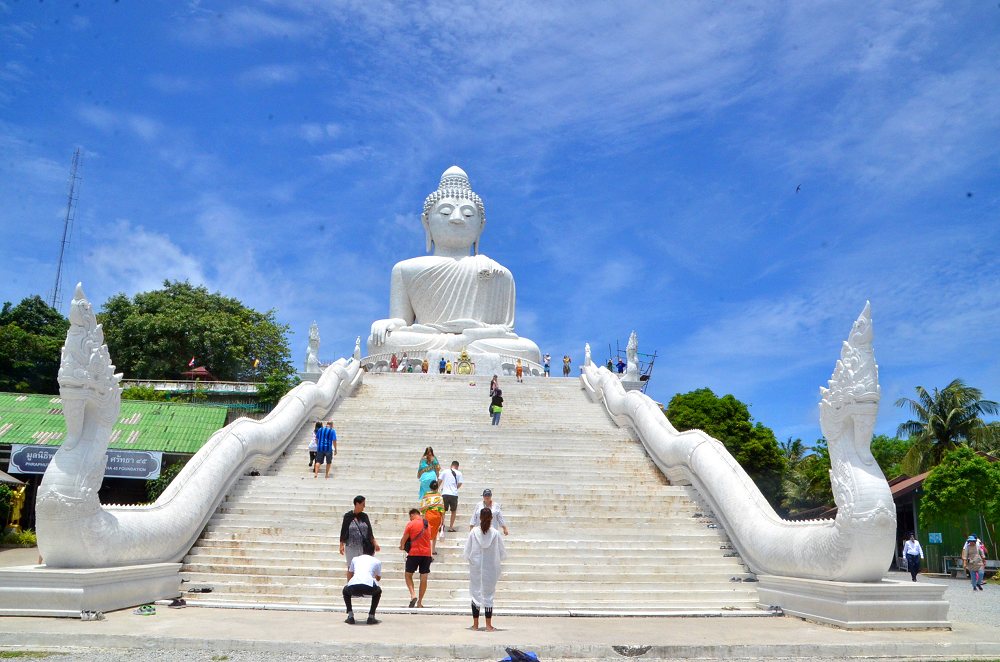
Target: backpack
{"type": "Point", "coordinates": [515, 655]}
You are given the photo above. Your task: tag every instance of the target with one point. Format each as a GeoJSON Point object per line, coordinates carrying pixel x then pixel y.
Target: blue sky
{"type": "Point", "coordinates": [638, 162]}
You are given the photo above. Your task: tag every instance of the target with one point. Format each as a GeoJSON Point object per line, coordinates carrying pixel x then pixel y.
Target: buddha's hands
{"type": "Point", "coordinates": [382, 328]}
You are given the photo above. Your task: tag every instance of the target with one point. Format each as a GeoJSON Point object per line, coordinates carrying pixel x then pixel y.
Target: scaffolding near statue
{"type": "Point", "coordinates": [633, 367]}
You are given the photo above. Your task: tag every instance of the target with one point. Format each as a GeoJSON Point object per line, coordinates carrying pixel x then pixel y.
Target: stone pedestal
{"type": "Point", "coordinates": [40, 591]}
{"type": "Point", "coordinates": [887, 605]}
{"type": "Point", "coordinates": [310, 376]}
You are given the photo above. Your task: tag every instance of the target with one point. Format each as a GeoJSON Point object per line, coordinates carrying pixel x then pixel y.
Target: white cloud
{"type": "Point", "coordinates": [271, 74]}
{"type": "Point", "coordinates": [345, 156]}
{"type": "Point", "coordinates": [145, 128]}
{"type": "Point", "coordinates": [240, 26]}
{"type": "Point", "coordinates": [135, 259]}
{"type": "Point", "coordinates": [174, 84]}
{"type": "Point", "coordinates": [13, 72]}
{"type": "Point", "coordinates": [315, 132]}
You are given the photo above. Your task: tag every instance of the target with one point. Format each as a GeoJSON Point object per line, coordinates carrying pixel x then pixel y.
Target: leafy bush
{"type": "Point", "coordinates": [21, 539]}
{"type": "Point", "coordinates": [155, 487]}
{"type": "Point", "coordinates": [147, 393]}
{"type": "Point", "coordinates": [6, 495]}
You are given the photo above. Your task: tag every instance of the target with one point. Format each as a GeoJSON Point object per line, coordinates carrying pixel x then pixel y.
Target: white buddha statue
{"type": "Point", "coordinates": [451, 300]}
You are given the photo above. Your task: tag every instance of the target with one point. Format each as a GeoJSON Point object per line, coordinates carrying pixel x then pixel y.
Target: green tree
{"type": "Point", "coordinates": [727, 419]}
{"type": "Point", "coordinates": [154, 334]}
{"type": "Point", "coordinates": [806, 482]}
{"type": "Point", "coordinates": [963, 482]}
{"type": "Point", "coordinates": [31, 337]}
{"type": "Point", "coordinates": [275, 386]}
{"type": "Point", "coordinates": [889, 453]}
{"type": "Point", "coordinates": [942, 421]}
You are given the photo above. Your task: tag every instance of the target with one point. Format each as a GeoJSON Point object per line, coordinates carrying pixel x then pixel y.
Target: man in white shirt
{"type": "Point", "coordinates": [363, 577]}
{"type": "Point", "coordinates": [451, 480]}
{"type": "Point", "coordinates": [498, 520]}
{"type": "Point", "coordinates": [913, 553]}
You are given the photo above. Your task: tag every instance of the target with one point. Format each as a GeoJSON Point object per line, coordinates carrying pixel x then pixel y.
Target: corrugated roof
{"type": "Point", "coordinates": [150, 426]}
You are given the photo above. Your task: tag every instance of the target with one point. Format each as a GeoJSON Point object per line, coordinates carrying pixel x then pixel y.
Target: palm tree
{"type": "Point", "coordinates": [942, 421]}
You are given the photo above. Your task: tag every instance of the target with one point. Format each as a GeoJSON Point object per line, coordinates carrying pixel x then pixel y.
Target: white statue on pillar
{"type": "Point", "coordinates": [357, 348]}
{"type": "Point", "coordinates": [586, 354]}
{"type": "Point", "coordinates": [312, 350]}
{"type": "Point", "coordinates": [451, 300]}
{"type": "Point", "coordinates": [632, 359]}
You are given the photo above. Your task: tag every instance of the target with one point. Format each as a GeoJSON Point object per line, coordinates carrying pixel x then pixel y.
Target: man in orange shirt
{"type": "Point", "coordinates": [418, 556]}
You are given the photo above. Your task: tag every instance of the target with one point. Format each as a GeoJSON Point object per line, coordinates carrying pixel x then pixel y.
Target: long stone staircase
{"type": "Point", "coordinates": [594, 526]}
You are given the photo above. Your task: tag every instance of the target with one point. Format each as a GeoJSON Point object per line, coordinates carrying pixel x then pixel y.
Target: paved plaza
{"type": "Point", "coordinates": [241, 635]}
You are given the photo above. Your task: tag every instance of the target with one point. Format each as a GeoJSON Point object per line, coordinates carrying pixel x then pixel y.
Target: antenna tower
{"type": "Point", "coordinates": [71, 198]}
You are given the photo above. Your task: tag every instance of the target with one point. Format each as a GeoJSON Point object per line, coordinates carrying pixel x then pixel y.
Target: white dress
{"type": "Point", "coordinates": [484, 552]}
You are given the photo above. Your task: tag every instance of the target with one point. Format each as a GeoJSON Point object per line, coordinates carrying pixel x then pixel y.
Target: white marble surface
{"type": "Point", "coordinates": [76, 531]}
{"type": "Point", "coordinates": [454, 299]}
{"type": "Point", "coordinates": [312, 350]}
{"type": "Point", "coordinates": [855, 547]}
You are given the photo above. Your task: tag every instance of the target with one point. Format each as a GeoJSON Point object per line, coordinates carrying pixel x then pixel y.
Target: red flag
{"type": "Point", "coordinates": [191, 362]}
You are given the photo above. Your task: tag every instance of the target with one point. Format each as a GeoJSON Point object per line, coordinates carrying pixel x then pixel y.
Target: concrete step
{"type": "Point", "coordinates": [593, 521]}
{"type": "Point", "coordinates": [678, 568]}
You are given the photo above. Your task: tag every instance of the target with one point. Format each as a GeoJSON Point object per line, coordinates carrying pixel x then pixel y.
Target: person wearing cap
{"type": "Point", "coordinates": [973, 561]}
{"type": "Point", "coordinates": [498, 520]}
{"type": "Point", "coordinates": [913, 552]}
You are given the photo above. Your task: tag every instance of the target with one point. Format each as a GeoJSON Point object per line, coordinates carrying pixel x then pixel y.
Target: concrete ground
{"type": "Point", "coordinates": [244, 634]}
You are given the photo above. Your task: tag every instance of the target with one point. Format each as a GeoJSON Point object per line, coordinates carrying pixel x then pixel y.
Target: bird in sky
{"type": "Point", "coordinates": [798, 188]}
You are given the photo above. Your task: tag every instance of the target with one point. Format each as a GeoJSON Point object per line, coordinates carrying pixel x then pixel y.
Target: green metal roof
{"type": "Point", "coordinates": [149, 426]}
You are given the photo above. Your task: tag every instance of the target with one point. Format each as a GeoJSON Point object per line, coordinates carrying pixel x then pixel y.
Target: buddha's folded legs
{"type": "Point", "coordinates": [400, 341]}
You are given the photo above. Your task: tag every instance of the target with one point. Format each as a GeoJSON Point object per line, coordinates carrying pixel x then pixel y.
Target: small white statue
{"type": "Point", "coordinates": [586, 354]}
{"type": "Point", "coordinates": [357, 348]}
{"type": "Point", "coordinates": [632, 359]}
{"type": "Point", "coordinates": [312, 350]}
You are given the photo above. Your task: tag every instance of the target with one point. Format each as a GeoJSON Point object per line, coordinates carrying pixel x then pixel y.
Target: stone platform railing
{"type": "Point", "coordinates": [184, 386]}
{"type": "Point", "coordinates": [857, 546]}
{"type": "Point", "coordinates": [380, 362]}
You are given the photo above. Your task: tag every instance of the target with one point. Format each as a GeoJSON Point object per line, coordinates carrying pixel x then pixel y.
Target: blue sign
{"type": "Point", "coordinates": [142, 465]}
{"type": "Point", "coordinates": [934, 537]}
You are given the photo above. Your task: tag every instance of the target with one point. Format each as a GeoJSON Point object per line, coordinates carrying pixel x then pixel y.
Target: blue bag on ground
{"type": "Point", "coordinates": [515, 655]}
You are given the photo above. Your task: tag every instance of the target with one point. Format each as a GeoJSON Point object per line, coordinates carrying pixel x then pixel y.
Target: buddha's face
{"type": "Point", "coordinates": [454, 223]}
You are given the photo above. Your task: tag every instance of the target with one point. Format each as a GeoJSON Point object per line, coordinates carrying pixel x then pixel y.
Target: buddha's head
{"type": "Point", "coordinates": [454, 216]}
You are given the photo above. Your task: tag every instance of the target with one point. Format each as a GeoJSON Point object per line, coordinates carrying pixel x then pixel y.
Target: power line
{"type": "Point", "coordinates": [71, 199]}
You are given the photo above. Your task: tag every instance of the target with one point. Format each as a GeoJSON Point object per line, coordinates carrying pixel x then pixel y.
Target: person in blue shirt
{"type": "Point", "coordinates": [441, 366]}
{"type": "Point", "coordinates": [326, 448]}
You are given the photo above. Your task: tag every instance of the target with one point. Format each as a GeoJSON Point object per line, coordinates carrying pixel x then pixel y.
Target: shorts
{"type": "Point", "coordinates": [320, 455]}
{"type": "Point", "coordinates": [421, 562]}
{"type": "Point", "coordinates": [450, 502]}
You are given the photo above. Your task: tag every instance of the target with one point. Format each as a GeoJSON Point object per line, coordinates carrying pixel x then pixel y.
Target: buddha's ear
{"type": "Point", "coordinates": [475, 244]}
{"type": "Point", "coordinates": [427, 231]}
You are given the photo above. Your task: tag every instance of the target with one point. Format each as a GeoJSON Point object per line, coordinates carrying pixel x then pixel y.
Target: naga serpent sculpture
{"type": "Point", "coordinates": [76, 531]}
{"type": "Point", "coordinates": [856, 546]}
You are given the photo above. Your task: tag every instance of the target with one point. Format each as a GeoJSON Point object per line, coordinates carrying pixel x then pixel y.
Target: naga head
{"type": "Point", "coordinates": [88, 384]}
{"type": "Point", "coordinates": [853, 387]}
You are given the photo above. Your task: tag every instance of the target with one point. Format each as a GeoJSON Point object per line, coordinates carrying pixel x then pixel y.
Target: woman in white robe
{"type": "Point", "coordinates": [484, 550]}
